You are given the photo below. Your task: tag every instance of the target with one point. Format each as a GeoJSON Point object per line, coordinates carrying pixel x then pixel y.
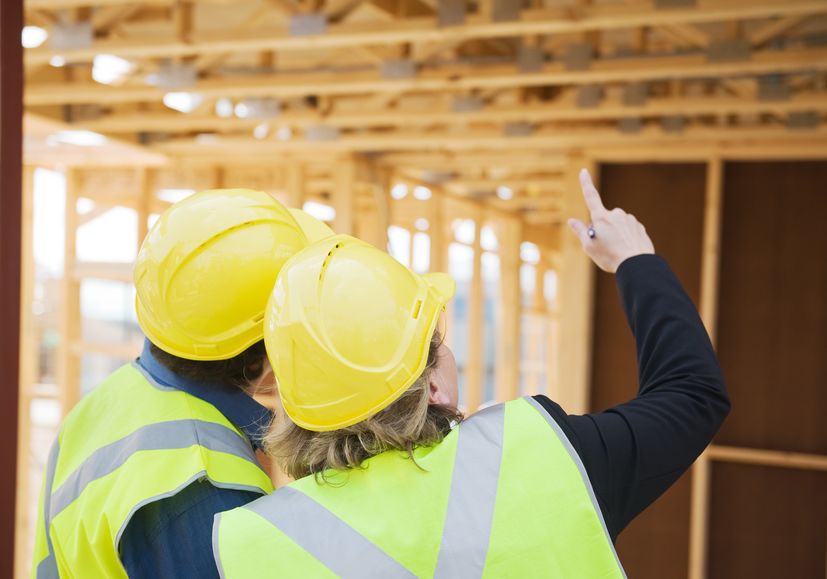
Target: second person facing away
{"type": "Point", "coordinates": [143, 463]}
{"type": "Point", "coordinates": [393, 482]}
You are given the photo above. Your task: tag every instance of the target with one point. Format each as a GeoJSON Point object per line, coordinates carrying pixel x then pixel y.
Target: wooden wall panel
{"type": "Point", "coordinates": [669, 200]}
{"type": "Point", "coordinates": [772, 337]}
{"type": "Point", "coordinates": [767, 522]}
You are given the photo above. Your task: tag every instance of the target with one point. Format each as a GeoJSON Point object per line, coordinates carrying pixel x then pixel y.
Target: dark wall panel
{"type": "Point", "coordinates": [772, 321]}
{"type": "Point", "coordinates": [767, 522]}
{"type": "Point", "coordinates": [669, 200]}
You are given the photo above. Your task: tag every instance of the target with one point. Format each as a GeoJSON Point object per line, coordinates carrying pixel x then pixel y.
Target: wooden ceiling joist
{"type": "Point", "coordinates": [454, 78]}
{"type": "Point", "coordinates": [549, 112]}
{"type": "Point", "coordinates": [223, 148]}
{"type": "Point", "coordinates": [532, 22]}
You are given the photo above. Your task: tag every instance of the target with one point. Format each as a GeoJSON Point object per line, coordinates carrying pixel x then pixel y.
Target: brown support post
{"type": "Point", "coordinates": [68, 358]}
{"type": "Point", "coordinates": [146, 190]}
{"type": "Point", "coordinates": [710, 265]}
{"type": "Point", "coordinates": [11, 162]}
{"type": "Point", "coordinates": [436, 229]}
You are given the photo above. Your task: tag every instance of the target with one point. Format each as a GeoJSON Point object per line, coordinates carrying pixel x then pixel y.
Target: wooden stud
{"type": "Point", "coordinates": [343, 194]}
{"type": "Point", "coordinates": [295, 185]}
{"type": "Point", "coordinates": [508, 311]}
{"type": "Point", "coordinates": [474, 368]}
{"type": "Point", "coordinates": [710, 265]}
{"type": "Point", "coordinates": [68, 367]}
{"type": "Point", "coordinates": [28, 376]}
{"type": "Point", "coordinates": [576, 293]}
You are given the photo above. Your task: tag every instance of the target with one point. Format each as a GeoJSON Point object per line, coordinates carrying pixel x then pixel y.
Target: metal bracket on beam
{"type": "Point", "coordinates": [635, 94]}
{"type": "Point", "coordinates": [467, 104]}
{"type": "Point", "coordinates": [518, 129]}
{"type": "Point", "coordinates": [307, 24]}
{"type": "Point", "coordinates": [666, 4]}
{"type": "Point", "coordinates": [578, 57]}
{"type": "Point", "coordinates": [803, 120]}
{"type": "Point", "coordinates": [589, 96]}
{"type": "Point", "coordinates": [73, 36]}
{"type": "Point", "coordinates": [630, 125]}
{"type": "Point", "coordinates": [773, 87]}
{"type": "Point", "coordinates": [505, 10]}
{"type": "Point", "coordinates": [673, 124]}
{"type": "Point", "coordinates": [729, 51]}
{"type": "Point", "coordinates": [318, 133]}
{"type": "Point", "coordinates": [451, 12]}
{"type": "Point", "coordinates": [398, 69]}
{"type": "Point", "coordinates": [174, 75]}
{"type": "Point", "coordinates": [530, 58]}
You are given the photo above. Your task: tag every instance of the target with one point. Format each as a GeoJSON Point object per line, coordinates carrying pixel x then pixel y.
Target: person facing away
{"type": "Point", "coordinates": [392, 482]}
{"type": "Point", "coordinates": [145, 460]}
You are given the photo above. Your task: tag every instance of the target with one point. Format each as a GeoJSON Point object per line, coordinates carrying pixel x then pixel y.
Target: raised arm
{"type": "Point", "coordinates": [635, 451]}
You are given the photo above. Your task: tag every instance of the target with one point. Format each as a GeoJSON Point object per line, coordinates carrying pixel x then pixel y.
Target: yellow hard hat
{"type": "Point", "coordinates": [314, 229]}
{"type": "Point", "coordinates": [348, 329]}
{"type": "Point", "coordinates": [206, 268]}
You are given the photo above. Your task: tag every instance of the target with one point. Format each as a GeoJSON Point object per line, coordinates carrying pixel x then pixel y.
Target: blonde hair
{"type": "Point", "coordinates": [406, 424]}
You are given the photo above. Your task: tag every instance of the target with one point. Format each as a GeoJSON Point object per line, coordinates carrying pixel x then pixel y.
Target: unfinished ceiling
{"type": "Point", "coordinates": [479, 98]}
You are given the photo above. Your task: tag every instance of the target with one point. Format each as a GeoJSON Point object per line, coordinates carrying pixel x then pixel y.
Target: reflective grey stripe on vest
{"type": "Point", "coordinates": [47, 568]}
{"type": "Point", "coordinates": [470, 511]}
{"type": "Point", "coordinates": [583, 474]}
{"type": "Point", "coordinates": [175, 434]}
{"type": "Point", "coordinates": [337, 545]}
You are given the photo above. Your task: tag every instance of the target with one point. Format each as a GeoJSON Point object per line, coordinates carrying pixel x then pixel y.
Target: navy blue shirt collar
{"type": "Point", "coordinates": [238, 407]}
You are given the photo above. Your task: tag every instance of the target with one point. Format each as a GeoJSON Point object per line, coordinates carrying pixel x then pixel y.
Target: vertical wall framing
{"type": "Point", "coordinates": [710, 266]}
{"type": "Point", "coordinates": [576, 295]}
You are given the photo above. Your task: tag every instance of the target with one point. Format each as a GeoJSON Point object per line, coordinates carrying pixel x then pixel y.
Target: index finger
{"type": "Point", "coordinates": [590, 194]}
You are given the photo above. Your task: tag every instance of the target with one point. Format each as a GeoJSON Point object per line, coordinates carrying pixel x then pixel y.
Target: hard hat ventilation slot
{"type": "Point", "coordinates": [416, 309]}
{"type": "Point", "coordinates": [327, 260]}
{"type": "Point", "coordinates": [258, 318]}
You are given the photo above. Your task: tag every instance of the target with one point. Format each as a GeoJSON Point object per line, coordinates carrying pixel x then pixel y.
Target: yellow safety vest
{"type": "Point", "coordinates": [504, 495]}
{"type": "Point", "coordinates": [128, 443]}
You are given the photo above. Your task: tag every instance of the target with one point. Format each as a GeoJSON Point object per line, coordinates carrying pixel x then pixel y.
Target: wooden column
{"type": "Point", "coordinates": [473, 369]}
{"type": "Point", "coordinates": [345, 180]}
{"type": "Point", "coordinates": [381, 186]}
{"type": "Point", "coordinates": [710, 267]}
{"type": "Point", "coordinates": [576, 294]}
{"type": "Point", "coordinates": [295, 185]}
{"type": "Point", "coordinates": [146, 190]}
{"type": "Point", "coordinates": [436, 229]}
{"type": "Point", "coordinates": [68, 369]}
{"type": "Point", "coordinates": [28, 373]}
{"type": "Point", "coordinates": [552, 354]}
{"type": "Point", "coordinates": [509, 309]}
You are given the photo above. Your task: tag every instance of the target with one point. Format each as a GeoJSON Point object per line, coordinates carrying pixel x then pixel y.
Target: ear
{"type": "Point", "coordinates": [436, 395]}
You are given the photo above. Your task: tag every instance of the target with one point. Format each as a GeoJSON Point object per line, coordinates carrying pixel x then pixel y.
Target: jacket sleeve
{"type": "Point", "coordinates": [173, 537]}
{"type": "Point", "coordinates": [635, 451]}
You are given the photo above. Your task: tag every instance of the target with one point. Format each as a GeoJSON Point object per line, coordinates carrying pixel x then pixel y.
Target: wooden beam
{"type": "Point", "coordinates": [229, 148]}
{"type": "Point", "coordinates": [710, 266]}
{"type": "Point", "coordinates": [402, 117]}
{"type": "Point", "coordinates": [774, 29]}
{"type": "Point", "coordinates": [63, 4]}
{"type": "Point", "coordinates": [776, 458]}
{"type": "Point", "coordinates": [532, 22]}
{"type": "Point", "coordinates": [447, 78]}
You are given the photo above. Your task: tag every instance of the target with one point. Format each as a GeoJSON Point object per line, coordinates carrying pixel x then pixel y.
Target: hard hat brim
{"type": "Point", "coordinates": [442, 284]}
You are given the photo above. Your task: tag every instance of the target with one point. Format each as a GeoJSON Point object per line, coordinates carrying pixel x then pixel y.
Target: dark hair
{"type": "Point", "coordinates": [236, 371]}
